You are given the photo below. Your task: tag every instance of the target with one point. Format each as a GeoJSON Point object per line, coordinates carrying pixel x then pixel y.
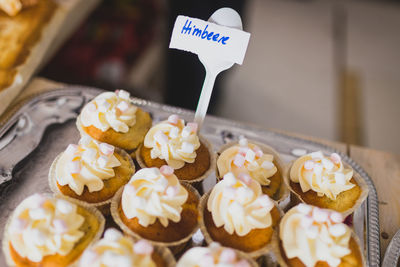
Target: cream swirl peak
{"type": "Point", "coordinates": [153, 194]}
{"type": "Point", "coordinates": [110, 110]}
{"type": "Point", "coordinates": [239, 205]}
{"type": "Point", "coordinates": [173, 142]}
{"type": "Point", "coordinates": [42, 226]}
{"type": "Point", "coordinates": [86, 164]}
{"type": "Point", "coordinates": [115, 249]}
{"type": "Point", "coordinates": [212, 256]}
{"type": "Point", "coordinates": [324, 175]}
{"type": "Point", "coordinates": [312, 234]}
{"type": "Point", "coordinates": [247, 158]}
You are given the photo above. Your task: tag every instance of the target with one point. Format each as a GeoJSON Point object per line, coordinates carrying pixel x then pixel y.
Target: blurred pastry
{"type": "Point", "coordinates": [260, 162]}
{"type": "Point", "coordinates": [310, 236]}
{"type": "Point", "coordinates": [13, 7]}
{"type": "Point", "coordinates": [215, 256]}
{"type": "Point", "coordinates": [21, 30]}
{"type": "Point", "coordinates": [155, 206]}
{"type": "Point", "coordinates": [237, 214]}
{"type": "Point", "coordinates": [49, 231]}
{"type": "Point", "coordinates": [325, 182]}
{"type": "Point", "coordinates": [116, 249]}
{"type": "Point", "coordinates": [111, 118]}
{"type": "Point", "coordinates": [91, 171]}
{"type": "Point", "coordinates": [176, 144]}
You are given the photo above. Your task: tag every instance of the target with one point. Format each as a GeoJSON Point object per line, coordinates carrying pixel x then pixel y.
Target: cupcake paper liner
{"type": "Point", "coordinates": [283, 198]}
{"type": "Point", "coordinates": [94, 211]}
{"type": "Point", "coordinates": [194, 182]}
{"type": "Point", "coordinates": [103, 206]}
{"type": "Point", "coordinates": [278, 257]}
{"type": "Point", "coordinates": [296, 198]}
{"type": "Point", "coordinates": [257, 254]}
{"type": "Point", "coordinates": [175, 246]}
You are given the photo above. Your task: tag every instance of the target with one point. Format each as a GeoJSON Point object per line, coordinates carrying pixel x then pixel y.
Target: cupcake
{"type": "Point", "coordinates": [262, 163]}
{"type": "Point", "coordinates": [156, 207]}
{"type": "Point", "coordinates": [176, 144]}
{"type": "Point", "coordinates": [326, 182]}
{"type": "Point", "coordinates": [50, 231]}
{"type": "Point", "coordinates": [90, 171]}
{"type": "Point", "coordinates": [215, 256]}
{"type": "Point", "coordinates": [115, 249]}
{"type": "Point", "coordinates": [237, 214]}
{"type": "Point", "coordinates": [112, 118]}
{"type": "Point", "coordinates": [310, 236]}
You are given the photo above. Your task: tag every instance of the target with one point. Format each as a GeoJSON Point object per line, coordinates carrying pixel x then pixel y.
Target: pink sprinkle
{"type": "Point", "coordinates": [320, 215]}
{"type": "Point", "coordinates": [102, 161]}
{"type": "Point", "coordinates": [242, 263]}
{"type": "Point", "coordinates": [123, 94]}
{"type": "Point", "coordinates": [337, 229]}
{"type": "Point", "coordinates": [91, 107]}
{"type": "Point", "coordinates": [245, 178]}
{"type": "Point", "coordinates": [123, 106]}
{"type": "Point", "coordinates": [243, 151]}
{"type": "Point", "coordinates": [306, 221]}
{"type": "Point", "coordinates": [172, 191]}
{"type": "Point", "coordinates": [193, 126]}
{"type": "Point", "coordinates": [143, 247]}
{"type": "Point", "coordinates": [129, 189]}
{"type": "Point", "coordinates": [117, 91]}
{"type": "Point", "coordinates": [309, 165]}
{"type": "Point", "coordinates": [265, 202]}
{"type": "Point", "coordinates": [74, 166]}
{"type": "Point", "coordinates": [173, 119]}
{"type": "Point", "coordinates": [207, 260]}
{"type": "Point", "coordinates": [88, 257]}
{"type": "Point", "coordinates": [71, 149]}
{"type": "Point", "coordinates": [259, 152]}
{"type": "Point", "coordinates": [167, 170]}
{"type": "Point", "coordinates": [106, 149]}
{"type": "Point", "coordinates": [304, 208]}
{"type": "Point", "coordinates": [336, 217]}
{"type": "Point", "coordinates": [18, 225]}
{"type": "Point", "coordinates": [227, 256]}
{"type": "Point", "coordinates": [60, 226]}
{"type": "Point", "coordinates": [239, 160]}
{"type": "Point", "coordinates": [335, 158]}
{"type": "Point", "coordinates": [38, 200]}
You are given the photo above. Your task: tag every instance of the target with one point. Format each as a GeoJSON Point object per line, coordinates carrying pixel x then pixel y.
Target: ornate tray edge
{"type": "Point", "coordinates": [392, 252]}
{"type": "Point", "coordinates": [372, 221]}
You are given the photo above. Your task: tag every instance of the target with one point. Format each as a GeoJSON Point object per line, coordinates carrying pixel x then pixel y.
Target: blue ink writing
{"type": "Point", "coordinates": [203, 34]}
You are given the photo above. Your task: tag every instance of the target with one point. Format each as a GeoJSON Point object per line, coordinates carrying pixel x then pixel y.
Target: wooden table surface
{"type": "Point", "coordinates": [383, 168]}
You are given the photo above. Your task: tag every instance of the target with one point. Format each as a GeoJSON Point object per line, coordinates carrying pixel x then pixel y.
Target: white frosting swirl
{"type": "Point", "coordinates": [118, 250]}
{"type": "Point", "coordinates": [312, 234]}
{"type": "Point", "coordinates": [324, 175]}
{"type": "Point", "coordinates": [86, 164]}
{"type": "Point", "coordinates": [212, 256]}
{"type": "Point", "coordinates": [247, 158]}
{"type": "Point", "coordinates": [110, 110]}
{"type": "Point", "coordinates": [42, 226]}
{"type": "Point", "coordinates": [239, 205]}
{"type": "Point", "coordinates": [151, 195]}
{"type": "Point", "coordinates": [173, 142]}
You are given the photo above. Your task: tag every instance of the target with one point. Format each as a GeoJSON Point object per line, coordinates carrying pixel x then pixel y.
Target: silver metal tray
{"type": "Point", "coordinates": [392, 254]}
{"type": "Point", "coordinates": [42, 128]}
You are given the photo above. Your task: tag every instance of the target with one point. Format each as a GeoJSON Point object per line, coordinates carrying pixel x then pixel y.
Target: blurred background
{"type": "Point", "coordinates": [328, 69]}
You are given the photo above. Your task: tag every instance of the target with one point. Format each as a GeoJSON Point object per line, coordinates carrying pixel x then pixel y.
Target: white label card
{"type": "Point", "coordinates": [206, 38]}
